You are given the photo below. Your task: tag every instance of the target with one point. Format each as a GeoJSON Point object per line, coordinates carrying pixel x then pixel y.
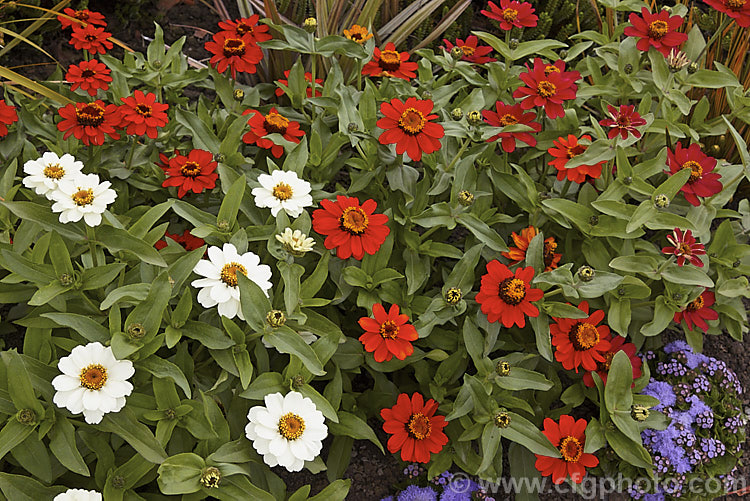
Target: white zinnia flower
{"type": "Point", "coordinates": [295, 243]}
{"type": "Point", "coordinates": [283, 190]}
{"type": "Point", "coordinates": [44, 174]}
{"type": "Point", "coordinates": [93, 381]}
{"type": "Point", "coordinates": [220, 285]}
{"type": "Point", "coordinates": [83, 197]}
{"type": "Point", "coordinates": [78, 495]}
{"type": "Point", "coordinates": [288, 431]}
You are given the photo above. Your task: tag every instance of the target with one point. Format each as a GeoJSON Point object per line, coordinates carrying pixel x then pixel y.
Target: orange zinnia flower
{"type": "Point", "coordinates": [196, 172]}
{"type": "Point", "coordinates": [416, 431]}
{"type": "Point", "coordinates": [507, 297]}
{"type": "Point", "coordinates": [512, 14]}
{"type": "Point", "coordinates": [247, 26]}
{"type": "Point", "coordinates": [351, 229]}
{"type": "Point", "coordinates": [90, 38]}
{"type": "Point", "coordinates": [569, 437]}
{"type": "Point", "coordinates": [656, 30]}
{"type": "Point", "coordinates": [263, 125]}
{"type": "Point", "coordinates": [563, 151]}
{"type": "Point", "coordinates": [518, 253]}
{"type": "Point", "coordinates": [579, 341]}
{"type": "Point", "coordinates": [8, 116]}
{"type": "Point", "coordinates": [408, 126]}
{"type": "Point", "coordinates": [89, 76]}
{"type": "Point", "coordinates": [472, 53]}
{"type": "Point", "coordinates": [390, 63]}
{"type": "Point", "coordinates": [387, 335]}
{"type": "Point", "coordinates": [143, 115]}
{"type": "Point", "coordinates": [511, 115]}
{"type": "Point", "coordinates": [238, 53]}
{"type": "Point", "coordinates": [89, 122]}
{"type": "Point", "coordinates": [547, 85]}
{"type": "Point", "coordinates": [85, 15]}
{"type": "Point", "coordinates": [358, 34]}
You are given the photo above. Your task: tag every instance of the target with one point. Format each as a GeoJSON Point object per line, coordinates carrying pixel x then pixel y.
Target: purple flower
{"type": "Point", "coordinates": [677, 346]}
{"type": "Point", "coordinates": [701, 384]}
{"type": "Point", "coordinates": [459, 490]}
{"type": "Point", "coordinates": [662, 391]}
{"type": "Point", "coordinates": [416, 493]}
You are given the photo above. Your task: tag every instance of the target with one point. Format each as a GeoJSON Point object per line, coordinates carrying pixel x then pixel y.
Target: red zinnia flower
{"type": "Point", "coordinates": [308, 79]}
{"type": "Point", "coordinates": [239, 53]}
{"type": "Point", "coordinates": [143, 115]}
{"type": "Point", "coordinates": [616, 343]}
{"type": "Point", "coordinates": [408, 126]}
{"type": "Point", "coordinates": [8, 116]}
{"type": "Point", "coordinates": [193, 172]}
{"type": "Point", "coordinates": [522, 241]}
{"type": "Point", "coordinates": [657, 30]}
{"type": "Point", "coordinates": [90, 38]}
{"type": "Point", "coordinates": [247, 26]}
{"type": "Point", "coordinates": [569, 437]}
{"type": "Point", "coordinates": [186, 240]}
{"type": "Point", "coordinates": [89, 122]}
{"type": "Point", "coordinates": [390, 63]}
{"type": "Point", "coordinates": [548, 85]}
{"type": "Point", "coordinates": [512, 13]}
{"type": "Point", "coordinates": [507, 297]}
{"type": "Point", "coordinates": [472, 53]}
{"type": "Point", "coordinates": [416, 430]}
{"type": "Point", "coordinates": [85, 15]}
{"type": "Point", "coordinates": [89, 76]}
{"type": "Point", "coordinates": [563, 151]}
{"type": "Point", "coordinates": [698, 311]}
{"type": "Point", "coordinates": [388, 334]}
{"type": "Point", "coordinates": [579, 341]}
{"type": "Point", "coordinates": [703, 182]}
{"type": "Point", "coordinates": [685, 247]}
{"type": "Point", "coordinates": [263, 125]}
{"type": "Point", "coordinates": [739, 10]}
{"type": "Point", "coordinates": [351, 229]}
{"type": "Point", "coordinates": [510, 115]}
{"type": "Point", "coordinates": [163, 162]}
{"type": "Point", "coordinates": [623, 121]}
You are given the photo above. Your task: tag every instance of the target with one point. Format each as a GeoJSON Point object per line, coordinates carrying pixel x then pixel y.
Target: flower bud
{"type": "Point", "coordinates": [310, 25]}
{"type": "Point", "coordinates": [170, 414]}
{"type": "Point", "coordinates": [677, 297]}
{"type": "Point", "coordinates": [238, 94]}
{"type": "Point", "coordinates": [26, 416]}
{"type": "Point", "coordinates": [594, 220]}
{"type": "Point", "coordinates": [628, 69]}
{"type": "Point", "coordinates": [136, 331]}
{"type": "Point", "coordinates": [276, 318]}
{"type": "Point", "coordinates": [298, 381]}
{"type": "Point", "coordinates": [352, 127]}
{"type": "Point", "coordinates": [453, 296]}
{"type": "Point", "coordinates": [639, 412]}
{"type": "Point", "coordinates": [502, 419]}
{"type": "Point", "coordinates": [223, 225]}
{"type": "Point", "coordinates": [736, 264]}
{"type": "Point", "coordinates": [513, 44]}
{"type": "Point", "coordinates": [66, 279]}
{"type": "Point", "coordinates": [118, 482]}
{"type": "Point", "coordinates": [586, 273]}
{"type": "Point", "coordinates": [426, 94]}
{"type": "Point", "coordinates": [661, 201]}
{"type": "Point", "coordinates": [457, 114]}
{"type": "Point", "coordinates": [210, 477]}
{"type": "Point", "coordinates": [474, 117]}
{"type": "Point", "coordinates": [563, 54]}
{"type": "Point", "coordinates": [502, 368]}
{"type": "Point", "coordinates": [220, 157]}
{"type": "Point", "coordinates": [627, 180]}
{"type": "Point", "coordinates": [465, 198]}
{"type": "Point", "coordinates": [457, 53]}
{"type": "Point", "coordinates": [692, 68]}
{"type": "Point", "coordinates": [667, 9]}
{"type": "Point", "coordinates": [157, 64]}
{"type": "Point", "coordinates": [621, 291]}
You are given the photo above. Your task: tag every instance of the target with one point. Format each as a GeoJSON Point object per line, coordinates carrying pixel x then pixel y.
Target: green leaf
{"type": "Point", "coordinates": [462, 274]}
{"type": "Point", "coordinates": [208, 335]}
{"type": "Point", "coordinates": [540, 324]}
{"type": "Point", "coordinates": [181, 474]}
{"type": "Point", "coordinates": [490, 443]}
{"type": "Point", "coordinates": [628, 450]}
{"type": "Point", "coordinates": [101, 276]}
{"type": "Point", "coordinates": [125, 425]}
{"type": "Point", "coordinates": [63, 445]}
{"type": "Point", "coordinates": [117, 240]}
{"type": "Point", "coordinates": [149, 312]}
{"type": "Point", "coordinates": [285, 340]}
{"type": "Point", "coordinates": [202, 136]}
{"type": "Point", "coordinates": [264, 384]}
{"type": "Point", "coordinates": [254, 303]}
{"type": "Point", "coordinates": [523, 432]}
{"type": "Point", "coordinates": [671, 186]}
{"type": "Point", "coordinates": [482, 231]}
{"type": "Point", "coordinates": [291, 275]}
{"type": "Point", "coordinates": [562, 310]}
{"type": "Point", "coordinates": [523, 379]}
{"type": "Point", "coordinates": [59, 255]}
{"type": "Point", "coordinates": [140, 228]}
{"type": "Point", "coordinates": [19, 384]}
{"type": "Point", "coordinates": [232, 200]}
{"type": "Point", "coordinates": [686, 275]}
{"type": "Point", "coordinates": [162, 368]}
{"type": "Point", "coordinates": [645, 212]}
{"type": "Point", "coordinates": [321, 403]}
{"type": "Point", "coordinates": [335, 491]}
{"type": "Point", "coordinates": [663, 315]}
{"type": "Point", "coordinates": [25, 488]}
{"type": "Point", "coordinates": [601, 283]}
{"type": "Point", "coordinates": [44, 217]}
{"type": "Point", "coordinates": [12, 434]}
{"type": "Point", "coordinates": [617, 393]}
{"type": "Point", "coordinates": [353, 426]}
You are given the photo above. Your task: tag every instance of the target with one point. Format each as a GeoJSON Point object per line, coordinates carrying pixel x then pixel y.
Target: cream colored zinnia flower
{"type": "Point", "coordinates": [295, 242]}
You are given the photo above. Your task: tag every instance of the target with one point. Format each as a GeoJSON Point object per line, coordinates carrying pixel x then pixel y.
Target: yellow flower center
{"type": "Point", "coordinates": [419, 426]}
{"type": "Point", "coordinates": [508, 119]}
{"type": "Point", "coordinates": [604, 366]}
{"type": "Point", "coordinates": [412, 121]}
{"type": "Point", "coordinates": [389, 330]}
{"type": "Point", "coordinates": [274, 122]}
{"type": "Point", "coordinates": [390, 60]}
{"type": "Point", "coordinates": [546, 88]}
{"type": "Point", "coordinates": [291, 426]}
{"type": "Point", "coordinates": [143, 109]}
{"type": "Point", "coordinates": [282, 191]}
{"type": "Point", "coordinates": [54, 171]}
{"type": "Point", "coordinates": [551, 68]}
{"type": "Point", "coordinates": [684, 249]}
{"type": "Point", "coordinates": [571, 449]}
{"type": "Point", "coordinates": [358, 33]}
{"type": "Point", "coordinates": [549, 252]}
{"type": "Point", "coordinates": [584, 336]}
{"type": "Point", "coordinates": [354, 220]}
{"type": "Point", "coordinates": [234, 47]}
{"type": "Point", "coordinates": [93, 377]}
{"type": "Point", "coordinates": [735, 4]}
{"type": "Point", "coordinates": [468, 51]}
{"type": "Point", "coordinates": [91, 115]}
{"type": "Point", "coordinates": [83, 197]}
{"type": "Point", "coordinates": [658, 29]}
{"type": "Point", "coordinates": [229, 272]}
{"type": "Point", "coordinates": [512, 290]}
{"type": "Point", "coordinates": [697, 304]}
{"type": "Point", "coordinates": [696, 170]}
{"type": "Point", "coordinates": [190, 169]}
{"type": "Point", "coordinates": [510, 15]}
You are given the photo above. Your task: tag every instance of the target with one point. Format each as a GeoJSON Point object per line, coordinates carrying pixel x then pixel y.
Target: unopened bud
{"type": "Point", "coordinates": [170, 414]}
{"type": "Point", "coordinates": [563, 54]}
{"type": "Point", "coordinates": [586, 273]}
{"type": "Point", "coordinates": [310, 25]}
{"type": "Point", "coordinates": [238, 94]}
{"type": "Point", "coordinates": [453, 296]}
{"type": "Point", "coordinates": [661, 201]}
{"type": "Point", "coordinates": [639, 412]}
{"type": "Point", "coordinates": [223, 225]}
{"type": "Point", "coordinates": [457, 114]}
{"type": "Point", "coordinates": [594, 220]}
{"type": "Point", "coordinates": [667, 9]}
{"type": "Point", "coordinates": [136, 331]}
{"type": "Point", "coordinates": [118, 482]}
{"type": "Point", "coordinates": [26, 416]}
{"type": "Point", "coordinates": [210, 477]}
{"type": "Point", "coordinates": [692, 68]}
{"type": "Point", "coordinates": [157, 64]}
{"type": "Point", "coordinates": [465, 198]}
{"type": "Point", "coordinates": [220, 157]}
{"type": "Point", "coordinates": [66, 279]}
{"type": "Point", "coordinates": [352, 127]}
{"type": "Point", "coordinates": [628, 69]}
{"type": "Point", "coordinates": [276, 318]}
{"type": "Point", "coordinates": [457, 53]}
{"type": "Point", "coordinates": [474, 117]}
{"type": "Point", "coordinates": [298, 381]}
{"type": "Point", "coordinates": [627, 180]}
{"type": "Point", "coordinates": [502, 419]}
{"type": "Point", "coordinates": [502, 368]}
{"type": "Point", "coordinates": [426, 94]}
{"type": "Point", "coordinates": [513, 44]}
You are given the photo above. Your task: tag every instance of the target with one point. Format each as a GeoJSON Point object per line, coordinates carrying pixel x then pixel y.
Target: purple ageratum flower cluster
{"type": "Point", "coordinates": [416, 493]}
{"type": "Point", "coordinates": [442, 479]}
{"type": "Point", "coordinates": [413, 470]}
{"type": "Point", "coordinates": [701, 384]}
{"type": "Point", "coordinates": [445, 487]}
{"type": "Point", "coordinates": [734, 423]}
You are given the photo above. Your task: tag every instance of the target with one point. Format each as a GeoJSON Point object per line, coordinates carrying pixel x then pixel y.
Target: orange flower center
{"type": "Point", "coordinates": [291, 426]}
{"type": "Point", "coordinates": [91, 115]}
{"type": "Point", "coordinates": [684, 249]}
{"type": "Point", "coordinates": [390, 60]}
{"type": "Point", "coordinates": [574, 151]}
{"type": "Point", "coordinates": [190, 169]}
{"type": "Point", "coordinates": [274, 122]}
{"type": "Point", "coordinates": [623, 121]}
{"type": "Point", "coordinates": [389, 329]}
{"type": "Point", "coordinates": [354, 220]}
{"type": "Point", "coordinates": [143, 109]}
{"type": "Point", "coordinates": [54, 171]}
{"type": "Point", "coordinates": [229, 272]}
{"type": "Point", "coordinates": [510, 15]}
{"type": "Point", "coordinates": [512, 290]}
{"type": "Point", "coordinates": [83, 197]}
{"type": "Point", "coordinates": [234, 47]}
{"type": "Point", "coordinates": [93, 377]}
{"type": "Point", "coordinates": [551, 68]}
{"type": "Point", "coordinates": [358, 34]}
{"type": "Point", "coordinates": [658, 29]}
{"type": "Point", "coordinates": [88, 73]}
{"type": "Point", "coordinates": [412, 121]}
{"type": "Point", "coordinates": [571, 449]}
{"type": "Point", "coordinates": [735, 4]}
{"type": "Point", "coordinates": [282, 191]}
{"type": "Point", "coordinates": [546, 88]}
{"type": "Point", "coordinates": [243, 28]}
{"type": "Point", "coordinates": [419, 426]}
{"type": "Point", "coordinates": [468, 51]}
{"type": "Point", "coordinates": [549, 251]}
{"type": "Point", "coordinates": [697, 304]}
{"type": "Point", "coordinates": [696, 170]}
{"type": "Point", "coordinates": [508, 119]}
{"type": "Point", "coordinates": [90, 38]}
{"type": "Point", "coordinates": [81, 14]}
{"type": "Point", "coordinates": [584, 336]}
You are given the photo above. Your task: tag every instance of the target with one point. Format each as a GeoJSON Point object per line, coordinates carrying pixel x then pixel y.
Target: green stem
{"type": "Point", "coordinates": [664, 265]}
{"type": "Point", "coordinates": [91, 237]}
{"type": "Point", "coordinates": [427, 233]}
{"type": "Point", "coordinates": [313, 60]}
{"type": "Point", "coordinates": [89, 302]}
{"type": "Point", "coordinates": [458, 154]}
{"type": "Point", "coordinates": [130, 155]}
{"type": "Point", "coordinates": [553, 293]}
{"type": "Point", "coordinates": [566, 188]}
